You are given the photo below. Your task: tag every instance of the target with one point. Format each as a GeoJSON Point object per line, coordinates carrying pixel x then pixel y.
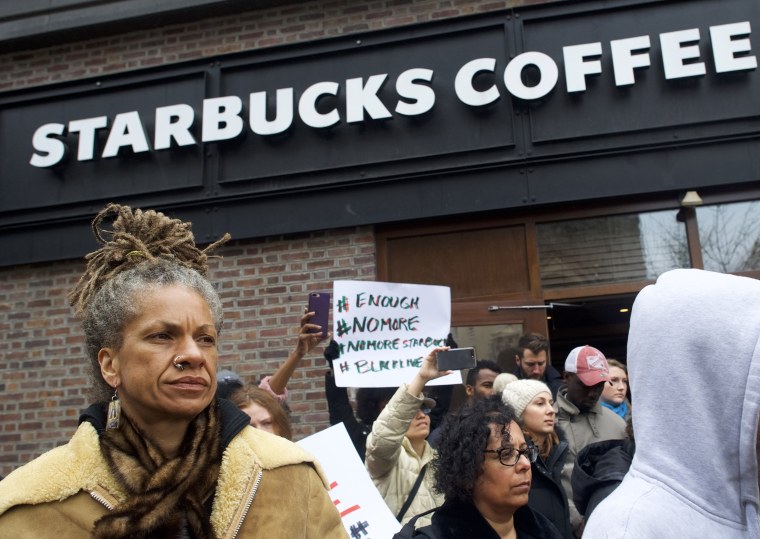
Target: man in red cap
{"type": "Point", "coordinates": [579, 414]}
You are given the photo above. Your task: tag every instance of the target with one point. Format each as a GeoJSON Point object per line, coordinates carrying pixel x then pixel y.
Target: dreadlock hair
{"type": "Point", "coordinates": [146, 251]}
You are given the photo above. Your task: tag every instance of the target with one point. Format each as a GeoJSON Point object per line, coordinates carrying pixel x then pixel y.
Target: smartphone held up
{"type": "Point", "coordinates": [455, 359]}
{"type": "Point", "coordinates": [319, 304]}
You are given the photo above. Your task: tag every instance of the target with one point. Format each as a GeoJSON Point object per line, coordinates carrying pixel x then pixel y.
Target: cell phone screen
{"type": "Point", "coordinates": [456, 359]}
{"type": "Point", "coordinates": [319, 304]}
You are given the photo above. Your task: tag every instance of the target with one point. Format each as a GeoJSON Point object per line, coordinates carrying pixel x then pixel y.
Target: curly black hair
{"type": "Point", "coordinates": [464, 436]}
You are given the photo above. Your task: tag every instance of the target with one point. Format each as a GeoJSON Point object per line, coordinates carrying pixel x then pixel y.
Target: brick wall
{"type": "Point", "coordinates": [42, 372]}
{"type": "Point", "coordinates": [247, 31]}
{"type": "Point", "coordinates": [264, 283]}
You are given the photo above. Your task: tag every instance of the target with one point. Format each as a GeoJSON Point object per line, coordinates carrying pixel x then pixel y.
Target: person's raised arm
{"type": "Point", "coordinates": [307, 342]}
{"type": "Point", "coordinates": [338, 404]}
{"type": "Point", "coordinates": [388, 431]}
{"type": "Point", "coordinates": [428, 371]}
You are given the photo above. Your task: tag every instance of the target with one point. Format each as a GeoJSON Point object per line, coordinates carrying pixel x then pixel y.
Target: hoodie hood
{"type": "Point", "coordinates": [694, 370]}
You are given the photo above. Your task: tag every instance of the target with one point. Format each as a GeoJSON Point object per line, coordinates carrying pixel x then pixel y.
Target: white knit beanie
{"type": "Point", "coordinates": [518, 394]}
{"type": "Point", "coordinates": [503, 380]}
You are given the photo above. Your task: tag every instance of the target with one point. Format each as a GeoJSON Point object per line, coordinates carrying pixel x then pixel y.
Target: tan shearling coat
{"type": "Point", "coordinates": [268, 488]}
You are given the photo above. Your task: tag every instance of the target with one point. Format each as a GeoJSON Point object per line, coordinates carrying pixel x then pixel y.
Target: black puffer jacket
{"type": "Point", "coordinates": [546, 493]}
{"type": "Point", "coordinates": [599, 469]}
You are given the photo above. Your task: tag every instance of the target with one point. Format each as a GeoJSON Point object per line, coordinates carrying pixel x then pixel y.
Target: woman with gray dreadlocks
{"type": "Point", "coordinates": [158, 456]}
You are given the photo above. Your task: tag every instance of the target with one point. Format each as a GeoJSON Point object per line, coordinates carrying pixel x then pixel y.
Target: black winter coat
{"type": "Point", "coordinates": [546, 493]}
{"type": "Point", "coordinates": [599, 469]}
{"type": "Point", "coordinates": [456, 520]}
{"type": "Point", "coordinates": [341, 411]}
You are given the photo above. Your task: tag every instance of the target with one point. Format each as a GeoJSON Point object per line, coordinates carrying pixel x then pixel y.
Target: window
{"type": "Point", "coordinates": [613, 249]}
{"type": "Point", "coordinates": [729, 235]}
{"type": "Point", "coordinates": [491, 342]}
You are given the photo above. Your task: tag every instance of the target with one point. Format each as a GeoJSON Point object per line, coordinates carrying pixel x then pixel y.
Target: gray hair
{"type": "Point", "coordinates": [119, 301]}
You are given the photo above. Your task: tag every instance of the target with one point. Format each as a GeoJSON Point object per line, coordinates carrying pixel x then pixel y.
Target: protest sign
{"type": "Point", "coordinates": [383, 331]}
{"type": "Point", "coordinates": [363, 511]}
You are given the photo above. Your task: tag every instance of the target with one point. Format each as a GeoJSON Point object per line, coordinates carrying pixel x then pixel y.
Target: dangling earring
{"type": "Point", "coordinates": [114, 411]}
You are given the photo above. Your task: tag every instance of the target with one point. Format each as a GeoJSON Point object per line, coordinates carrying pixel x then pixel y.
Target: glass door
{"type": "Point", "coordinates": [494, 327]}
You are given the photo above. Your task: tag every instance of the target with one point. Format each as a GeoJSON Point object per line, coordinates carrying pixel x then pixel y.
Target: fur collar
{"type": "Point", "coordinates": [79, 465]}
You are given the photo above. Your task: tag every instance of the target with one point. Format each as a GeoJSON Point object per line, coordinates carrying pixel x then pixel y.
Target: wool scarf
{"type": "Point", "coordinates": [620, 409]}
{"type": "Point", "coordinates": [165, 495]}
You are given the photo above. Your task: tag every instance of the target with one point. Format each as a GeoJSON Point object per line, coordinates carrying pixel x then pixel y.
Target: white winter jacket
{"type": "Point", "coordinates": [392, 463]}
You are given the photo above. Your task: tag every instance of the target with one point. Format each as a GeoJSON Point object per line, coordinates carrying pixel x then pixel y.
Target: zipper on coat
{"type": "Point", "coordinates": [248, 503]}
{"type": "Point", "coordinates": [100, 499]}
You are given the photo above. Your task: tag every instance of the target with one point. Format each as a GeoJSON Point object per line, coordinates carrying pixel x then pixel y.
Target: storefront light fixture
{"type": "Point", "coordinates": [691, 199]}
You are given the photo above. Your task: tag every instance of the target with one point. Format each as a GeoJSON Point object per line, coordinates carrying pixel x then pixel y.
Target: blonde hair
{"type": "Point", "coordinates": [618, 364]}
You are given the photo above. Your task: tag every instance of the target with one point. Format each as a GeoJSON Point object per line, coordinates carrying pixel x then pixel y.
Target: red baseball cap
{"type": "Point", "coordinates": [589, 364]}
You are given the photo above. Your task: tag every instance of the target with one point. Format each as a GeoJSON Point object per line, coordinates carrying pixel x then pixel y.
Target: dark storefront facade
{"type": "Point", "coordinates": [545, 161]}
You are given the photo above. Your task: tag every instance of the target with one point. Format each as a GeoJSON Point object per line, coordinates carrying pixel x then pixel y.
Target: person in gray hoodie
{"type": "Point", "coordinates": [694, 368]}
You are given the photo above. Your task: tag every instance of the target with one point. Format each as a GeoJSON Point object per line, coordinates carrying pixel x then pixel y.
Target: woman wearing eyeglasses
{"type": "Point", "coordinates": [533, 404]}
{"type": "Point", "coordinates": [483, 470]}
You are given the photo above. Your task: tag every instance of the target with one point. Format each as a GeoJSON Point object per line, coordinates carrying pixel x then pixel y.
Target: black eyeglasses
{"type": "Point", "coordinates": [508, 456]}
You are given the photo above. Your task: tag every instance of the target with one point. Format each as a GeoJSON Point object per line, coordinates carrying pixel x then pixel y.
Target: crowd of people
{"type": "Point", "coordinates": [173, 447]}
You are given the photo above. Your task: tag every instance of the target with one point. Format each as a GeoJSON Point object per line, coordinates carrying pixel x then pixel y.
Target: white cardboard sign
{"type": "Point", "coordinates": [384, 330]}
{"type": "Point", "coordinates": [363, 511]}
